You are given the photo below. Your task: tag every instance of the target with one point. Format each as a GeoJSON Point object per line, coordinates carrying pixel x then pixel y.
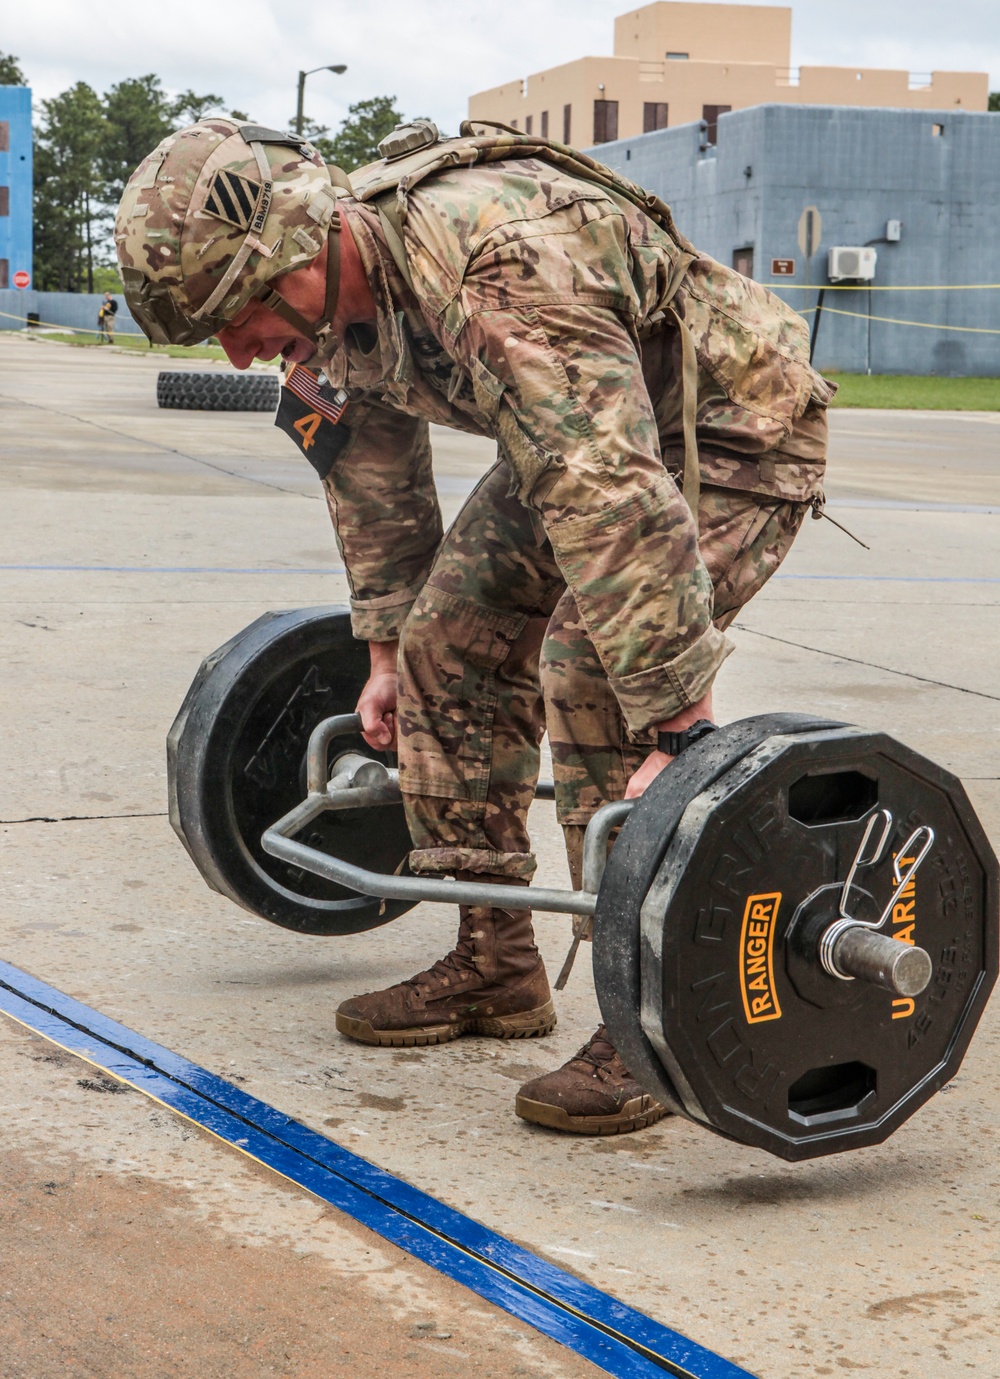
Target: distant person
{"type": "Point", "coordinates": [106, 319]}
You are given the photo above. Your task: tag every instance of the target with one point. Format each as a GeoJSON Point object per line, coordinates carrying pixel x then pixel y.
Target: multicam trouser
{"type": "Point", "coordinates": [494, 652]}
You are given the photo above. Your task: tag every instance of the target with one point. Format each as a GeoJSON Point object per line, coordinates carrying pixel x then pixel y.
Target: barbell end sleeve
{"type": "Point", "coordinates": [868, 956]}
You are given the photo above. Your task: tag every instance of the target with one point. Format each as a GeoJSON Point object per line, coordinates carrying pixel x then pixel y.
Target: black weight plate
{"type": "Point", "coordinates": [632, 867]}
{"type": "Point", "coordinates": [757, 1041]}
{"type": "Point", "coordinates": [236, 764]}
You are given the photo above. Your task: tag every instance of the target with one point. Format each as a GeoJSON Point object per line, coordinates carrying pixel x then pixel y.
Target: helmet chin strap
{"type": "Point", "coordinates": [273, 299]}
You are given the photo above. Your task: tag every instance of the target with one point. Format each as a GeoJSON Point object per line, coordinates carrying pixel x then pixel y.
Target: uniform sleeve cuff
{"type": "Point", "coordinates": [381, 619]}
{"type": "Point", "coordinates": [653, 696]}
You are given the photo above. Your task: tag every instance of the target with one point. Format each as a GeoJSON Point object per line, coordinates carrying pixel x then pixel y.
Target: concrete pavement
{"type": "Point", "coordinates": [128, 534]}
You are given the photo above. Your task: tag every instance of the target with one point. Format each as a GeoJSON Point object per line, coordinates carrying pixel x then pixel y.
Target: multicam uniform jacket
{"type": "Point", "coordinates": [536, 316]}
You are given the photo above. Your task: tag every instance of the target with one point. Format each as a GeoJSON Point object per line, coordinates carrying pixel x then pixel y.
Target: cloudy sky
{"type": "Point", "coordinates": [430, 54]}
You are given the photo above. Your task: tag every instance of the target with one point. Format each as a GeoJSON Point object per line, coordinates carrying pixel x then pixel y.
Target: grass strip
{"type": "Point", "coordinates": [137, 344]}
{"type": "Point", "coordinates": [929, 394]}
{"type": "Point", "coordinates": [910, 392]}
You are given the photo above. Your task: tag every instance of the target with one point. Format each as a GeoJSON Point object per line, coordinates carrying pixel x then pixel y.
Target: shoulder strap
{"type": "Point", "coordinates": [691, 481]}
{"type": "Point", "coordinates": [391, 220]}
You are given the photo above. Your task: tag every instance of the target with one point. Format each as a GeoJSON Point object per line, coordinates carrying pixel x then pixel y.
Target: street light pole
{"type": "Point", "coordinates": [298, 109]}
{"type": "Point", "coordinates": [340, 68]}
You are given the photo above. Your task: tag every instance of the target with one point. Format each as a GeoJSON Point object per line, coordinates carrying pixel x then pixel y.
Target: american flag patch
{"type": "Point", "coordinates": [306, 385]}
{"type": "Point", "coordinates": [232, 198]}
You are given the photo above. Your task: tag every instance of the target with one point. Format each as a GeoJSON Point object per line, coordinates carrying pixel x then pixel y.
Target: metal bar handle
{"type": "Point", "coordinates": [319, 746]}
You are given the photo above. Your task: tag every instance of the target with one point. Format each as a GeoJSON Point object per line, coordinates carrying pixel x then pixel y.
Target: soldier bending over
{"type": "Point", "coordinates": [661, 436]}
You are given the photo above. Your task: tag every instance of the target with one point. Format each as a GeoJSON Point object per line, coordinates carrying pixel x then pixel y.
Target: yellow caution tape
{"type": "Point", "coordinates": [80, 330]}
{"type": "Point", "coordinates": [873, 287]}
{"type": "Point", "coordinates": [805, 311]}
{"type": "Point", "coordinates": [895, 321]}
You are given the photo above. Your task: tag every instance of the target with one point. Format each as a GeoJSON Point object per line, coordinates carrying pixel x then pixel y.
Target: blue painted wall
{"type": "Point", "coordinates": [15, 174]}
{"type": "Point", "coordinates": [861, 168]}
{"type": "Point", "coordinates": [77, 309]}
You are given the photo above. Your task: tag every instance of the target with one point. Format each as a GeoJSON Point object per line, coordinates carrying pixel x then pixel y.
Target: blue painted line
{"type": "Point", "coordinates": [617, 1338]}
{"type": "Point", "coordinates": [911, 505]}
{"type": "Point", "coordinates": [339, 570]}
{"type": "Point", "coordinates": [897, 579]}
{"type": "Point", "coordinates": [182, 569]}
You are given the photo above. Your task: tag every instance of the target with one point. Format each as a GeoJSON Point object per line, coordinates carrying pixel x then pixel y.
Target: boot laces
{"type": "Point", "coordinates": [599, 1053]}
{"type": "Point", "coordinates": [460, 962]}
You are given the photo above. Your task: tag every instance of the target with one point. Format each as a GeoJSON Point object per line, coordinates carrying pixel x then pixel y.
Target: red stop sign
{"type": "Point", "coordinates": [22, 278]}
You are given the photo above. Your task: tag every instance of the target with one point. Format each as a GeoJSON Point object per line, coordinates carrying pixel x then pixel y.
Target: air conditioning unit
{"type": "Point", "coordinates": [849, 263]}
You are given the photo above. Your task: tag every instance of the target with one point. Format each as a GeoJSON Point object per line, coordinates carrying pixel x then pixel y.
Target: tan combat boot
{"type": "Point", "coordinates": [492, 983]}
{"type": "Point", "coordinates": [593, 1094]}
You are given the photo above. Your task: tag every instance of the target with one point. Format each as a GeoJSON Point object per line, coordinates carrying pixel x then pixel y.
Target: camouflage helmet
{"type": "Point", "coordinates": [214, 214]}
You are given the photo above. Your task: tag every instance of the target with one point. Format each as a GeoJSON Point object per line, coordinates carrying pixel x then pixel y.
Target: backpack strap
{"type": "Point", "coordinates": [691, 481]}
{"type": "Point", "coordinates": [391, 220]}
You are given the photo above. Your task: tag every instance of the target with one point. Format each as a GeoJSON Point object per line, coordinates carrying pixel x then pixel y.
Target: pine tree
{"type": "Point", "coordinates": [189, 107]}
{"type": "Point", "coordinates": [10, 71]}
{"type": "Point", "coordinates": [138, 114]}
{"type": "Point", "coordinates": [69, 190]}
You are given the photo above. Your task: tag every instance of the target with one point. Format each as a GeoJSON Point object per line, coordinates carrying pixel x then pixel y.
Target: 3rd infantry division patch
{"type": "Point", "coordinates": [232, 198]}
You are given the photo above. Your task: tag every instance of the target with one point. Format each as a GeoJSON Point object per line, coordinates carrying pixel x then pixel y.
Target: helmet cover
{"type": "Point", "coordinates": [210, 217]}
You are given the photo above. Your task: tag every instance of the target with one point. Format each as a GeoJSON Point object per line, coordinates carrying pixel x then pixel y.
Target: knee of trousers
{"type": "Point", "coordinates": [450, 651]}
{"type": "Point", "coordinates": [593, 753]}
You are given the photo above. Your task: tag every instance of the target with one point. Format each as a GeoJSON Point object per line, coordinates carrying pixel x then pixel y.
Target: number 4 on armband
{"type": "Point", "coordinates": [307, 427]}
{"type": "Point", "coordinates": [316, 433]}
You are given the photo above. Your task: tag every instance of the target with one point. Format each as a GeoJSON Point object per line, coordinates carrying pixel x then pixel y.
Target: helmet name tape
{"type": "Point", "coordinates": [234, 199]}
{"type": "Point", "coordinates": [262, 209]}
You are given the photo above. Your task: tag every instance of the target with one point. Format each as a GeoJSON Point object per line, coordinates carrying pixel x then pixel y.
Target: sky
{"type": "Point", "coordinates": [430, 54]}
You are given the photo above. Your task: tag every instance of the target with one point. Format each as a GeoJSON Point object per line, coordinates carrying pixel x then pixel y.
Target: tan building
{"type": "Point", "coordinates": [675, 63]}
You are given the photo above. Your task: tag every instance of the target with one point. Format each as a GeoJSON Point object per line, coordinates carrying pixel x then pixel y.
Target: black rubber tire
{"type": "Point", "coordinates": [218, 392]}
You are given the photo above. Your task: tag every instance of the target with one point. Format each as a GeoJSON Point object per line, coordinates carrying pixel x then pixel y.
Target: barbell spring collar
{"type": "Point", "coordinates": [850, 951]}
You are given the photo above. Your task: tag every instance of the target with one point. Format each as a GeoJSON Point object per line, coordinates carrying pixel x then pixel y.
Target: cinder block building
{"type": "Point", "coordinates": [15, 185]}
{"type": "Point", "coordinates": [918, 187]}
{"type": "Point", "coordinates": [674, 63]}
